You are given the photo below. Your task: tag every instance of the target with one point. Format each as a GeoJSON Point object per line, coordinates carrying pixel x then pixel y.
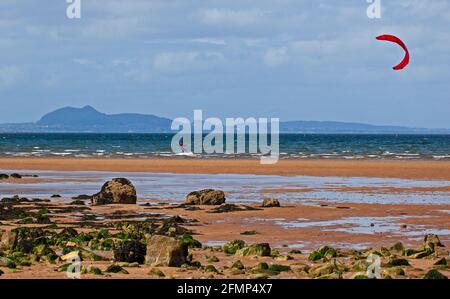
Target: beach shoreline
{"type": "Point", "coordinates": [327, 204]}
{"type": "Point", "coordinates": [422, 169]}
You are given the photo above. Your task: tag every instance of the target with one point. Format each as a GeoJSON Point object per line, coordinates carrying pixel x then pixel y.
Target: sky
{"type": "Point", "coordinates": [292, 59]}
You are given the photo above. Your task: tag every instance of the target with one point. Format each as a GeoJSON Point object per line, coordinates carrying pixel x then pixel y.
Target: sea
{"type": "Point", "coordinates": [291, 146]}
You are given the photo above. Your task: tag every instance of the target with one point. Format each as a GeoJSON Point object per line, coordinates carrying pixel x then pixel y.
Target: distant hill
{"type": "Point", "coordinates": [89, 120]}
{"type": "Point", "coordinates": [333, 127]}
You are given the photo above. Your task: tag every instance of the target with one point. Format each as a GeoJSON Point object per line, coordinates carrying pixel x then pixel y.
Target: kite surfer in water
{"type": "Point", "coordinates": [181, 144]}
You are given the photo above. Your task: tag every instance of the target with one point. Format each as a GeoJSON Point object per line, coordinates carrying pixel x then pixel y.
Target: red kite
{"type": "Point", "coordinates": [394, 39]}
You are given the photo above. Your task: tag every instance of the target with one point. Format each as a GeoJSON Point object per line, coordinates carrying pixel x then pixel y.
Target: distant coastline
{"type": "Point", "coordinates": [88, 120]}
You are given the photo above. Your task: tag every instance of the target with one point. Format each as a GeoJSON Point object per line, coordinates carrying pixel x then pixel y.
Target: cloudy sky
{"type": "Point", "coordinates": [293, 59]}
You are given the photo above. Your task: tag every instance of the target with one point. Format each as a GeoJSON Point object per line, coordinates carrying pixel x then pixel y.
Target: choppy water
{"type": "Point", "coordinates": [346, 146]}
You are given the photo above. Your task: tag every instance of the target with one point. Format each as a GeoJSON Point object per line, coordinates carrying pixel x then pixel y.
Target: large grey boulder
{"type": "Point", "coordinates": [206, 197]}
{"type": "Point", "coordinates": [166, 251]}
{"type": "Point", "coordinates": [115, 191]}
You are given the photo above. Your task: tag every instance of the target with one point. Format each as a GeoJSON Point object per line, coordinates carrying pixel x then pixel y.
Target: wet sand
{"type": "Point", "coordinates": [433, 170]}
{"type": "Point", "coordinates": [303, 225]}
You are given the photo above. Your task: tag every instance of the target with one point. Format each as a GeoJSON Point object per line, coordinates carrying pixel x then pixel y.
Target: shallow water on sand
{"type": "Point", "coordinates": [240, 188]}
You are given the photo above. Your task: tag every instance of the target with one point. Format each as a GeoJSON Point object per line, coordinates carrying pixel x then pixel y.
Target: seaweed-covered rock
{"type": "Point", "coordinates": [4, 176]}
{"type": "Point", "coordinates": [260, 249]}
{"type": "Point", "coordinates": [270, 203]}
{"type": "Point", "coordinates": [233, 246]}
{"type": "Point", "coordinates": [206, 197]}
{"type": "Point", "coordinates": [115, 191]}
{"type": "Point", "coordinates": [116, 269]}
{"type": "Point", "coordinates": [190, 241]}
{"type": "Point", "coordinates": [130, 252]}
{"type": "Point", "coordinates": [156, 272]}
{"type": "Point", "coordinates": [237, 265]}
{"type": "Point", "coordinates": [326, 269]}
{"type": "Point", "coordinates": [210, 268]}
{"type": "Point", "coordinates": [434, 274]}
{"type": "Point", "coordinates": [279, 268]}
{"type": "Point", "coordinates": [394, 261]}
{"type": "Point", "coordinates": [392, 272]}
{"type": "Point", "coordinates": [6, 262]}
{"type": "Point", "coordinates": [166, 251]}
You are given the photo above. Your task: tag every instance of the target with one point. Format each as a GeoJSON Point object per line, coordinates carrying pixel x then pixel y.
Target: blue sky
{"type": "Point", "coordinates": [292, 59]}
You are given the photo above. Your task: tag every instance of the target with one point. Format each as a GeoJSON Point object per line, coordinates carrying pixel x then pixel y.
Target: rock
{"type": "Point", "coordinates": [279, 268]}
{"type": "Point", "coordinates": [229, 207]}
{"type": "Point", "coordinates": [398, 247]}
{"type": "Point", "coordinates": [206, 197]}
{"type": "Point", "coordinates": [130, 252]}
{"type": "Point", "coordinates": [166, 251]}
{"type": "Point", "coordinates": [434, 274]}
{"type": "Point", "coordinates": [322, 270]}
{"type": "Point", "coordinates": [261, 266]}
{"type": "Point", "coordinates": [233, 246]}
{"type": "Point", "coordinates": [441, 262]}
{"type": "Point", "coordinates": [6, 262]}
{"type": "Point", "coordinates": [116, 269]}
{"type": "Point", "coordinates": [295, 251]}
{"type": "Point", "coordinates": [190, 241]}
{"type": "Point", "coordinates": [249, 233]}
{"type": "Point", "coordinates": [8, 240]}
{"type": "Point", "coordinates": [82, 197]}
{"type": "Point", "coordinates": [260, 249]}
{"type": "Point", "coordinates": [4, 176]}
{"type": "Point", "coordinates": [422, 254]}
{"type": "Point", "coordinates": [15, 176]}
{"type": "Point", "coordinates": [331, 276]}
{"type": "Point", "coordinates": [116, 191]}
{"type": "Point", "coordinates": [259, 276]}
{"type": "Point", "coordinates": [395, 271]}
{"type": "Point", "coordinates": [284, 258]}
{"type": "Point", "coordinates": [360, 276]}
{"type": "Point", "coordinates": [213, 259]}
{"type": "Point", "coordinates": [77, 203]}
{"type": "Point", "coordinates": [55, 196]}
{"type": "Point", "coordinates": [237, 265]}
{"type": "Point", "coordinates": [95, 270]}
{"type": "Point", "coordinates": [68, 232]}
{"type": "Point", "coordinates": [156, 272]}
{"type": "Point", "coordinates": [432, 241]}
{"type": "Point", "coordinates": [393, 261]}
{"type": "Point", "coordinates": [360, 266]}
{"type": "Point", "coordinates": [211, 268]}
{"type": "Point", "coordinates": [315, 256]}
{"type": "Point", "coordinates": [385, 252]}
{"type": "Point", "coordinates": [270, 203]}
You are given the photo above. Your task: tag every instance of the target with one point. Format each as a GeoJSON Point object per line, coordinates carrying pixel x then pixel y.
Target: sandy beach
{"type": "Point", "coordinates": [352, 206]}
{"type": "Point", "coordinates": [435, 170]}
